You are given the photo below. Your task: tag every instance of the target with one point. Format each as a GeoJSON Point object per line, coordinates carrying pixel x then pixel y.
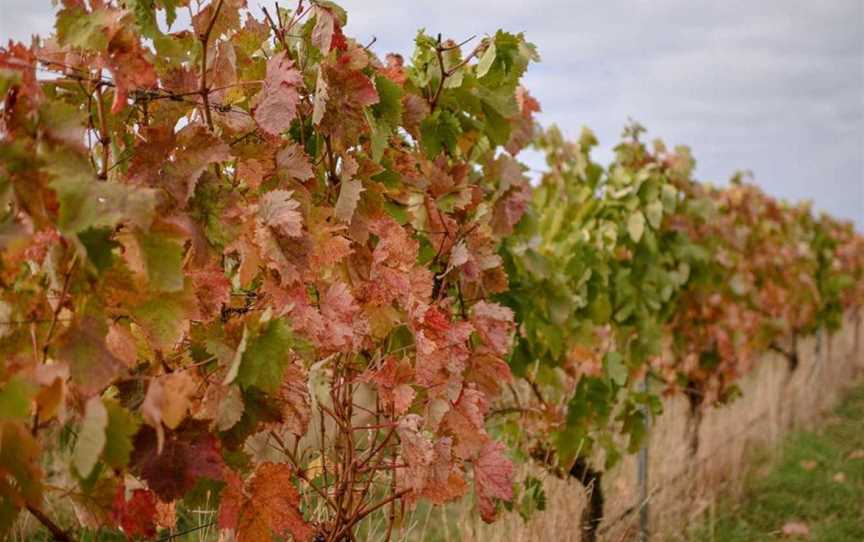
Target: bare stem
{"type": "Point", "coordinates": [203, 90]}
{"type": "Point", "coordinates": [59, 534]}
{"type": "Point", "coordinates": [104, 139]}
{"type": "Point", "coordinates": [57, 309]}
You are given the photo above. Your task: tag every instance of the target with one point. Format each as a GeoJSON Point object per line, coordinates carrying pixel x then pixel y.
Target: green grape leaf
{"type": "Point", "coordinates": [636, 226]}
{"type": "Point", "coordinates": [266, 356]}
{"type": "Point", "coordinates": [121, 428]}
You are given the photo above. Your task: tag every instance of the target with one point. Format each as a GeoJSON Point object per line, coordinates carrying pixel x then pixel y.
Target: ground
{"type": "Point", "coordinates": [813, 491]}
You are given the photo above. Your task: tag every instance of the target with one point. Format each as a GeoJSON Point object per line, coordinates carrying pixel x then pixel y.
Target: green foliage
{"type": "Point", "coordinates": [266, 356]}
{"type": "Point", "coordinates": [636, 277]}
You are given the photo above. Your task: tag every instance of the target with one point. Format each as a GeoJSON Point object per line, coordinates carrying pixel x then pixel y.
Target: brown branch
{"type": "Point", "coordinates": [391, 518]}
{"type": "Point", "coordinates": [460, 44]}
{"type": "Point", "coordinates": [439, 52]}
{"type": "Point", "coordinates": [277, 30]}
{"type": "Point", "coordinates": [389, 500]}
{"type": "Point", "coordinates": [513, 410]}
{"type": "Point", "coordinates": [59, 534]}
{"type": "Point", "coordinates": [57, 309]}
{"type": "Point", "coordinates": [203, 90]}
{"type": "Point", "coordinates": [537, 393]}
{"type": "Point", "coordinates": [104, 139]}
{"type": "Point", "coordinates": [365, 512]}
{"type": "Point", "coordinates": [467, 59]}
{"type": "Point", "coordinates": [299, 470]}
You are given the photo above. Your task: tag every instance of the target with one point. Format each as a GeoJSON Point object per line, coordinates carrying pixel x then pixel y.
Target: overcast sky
{"type": "Point", "coordinates": [773, 86]}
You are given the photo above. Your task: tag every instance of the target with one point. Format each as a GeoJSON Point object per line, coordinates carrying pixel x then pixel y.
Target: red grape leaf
{"type": "Point", "coordinates": [198, 148]}
{"type": "Point", "coordinates": [189, 453]}
{"type": "Point", "coordinates": [393, 380]}
{"type": "Point", "coordinates": [495, 325]}
{"type": "Point", "coordinates": [493, 478]}
{"type": "Point", "coordinates": [465, 421]}
{"type": "Point", "coordinates": [417, 452]}
{"type": "Point", "coordinates": [344, 325]}
{"type": "Point", "coordinates": [137, 516]}
{"type": "Point", "coordinates": [213, 290]}
{"type": "Point", "coordinates": [444, 480]}
{"type": "Point", "coordinates": [523, 125]}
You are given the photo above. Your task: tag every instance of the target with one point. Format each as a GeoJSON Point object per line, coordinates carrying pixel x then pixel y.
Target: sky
{"type": "Point", "coordinates": [773, 86]}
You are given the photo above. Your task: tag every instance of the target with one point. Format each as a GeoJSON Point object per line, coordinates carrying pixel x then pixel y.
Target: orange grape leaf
{"type": "Point", "coordinates": [178, 388]}
{"type": "Point", "coordinates": [293, 396]}
{"type": "Point", "coordinates": [276, 105]}
{"type": "Point", "coordinates": [130, 65]}
{"type": "Point", "coordinates": [269, 503]}
{"type": "Point", "coordinates": [273, 485]}
{"type": "Point", "coordinates": [279, 211]}
{"type": "Point", "coordinates": [293, 163]}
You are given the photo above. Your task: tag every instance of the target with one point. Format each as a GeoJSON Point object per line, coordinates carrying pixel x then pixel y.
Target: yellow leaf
{"type": "Point", "coordinates": [177, 389]}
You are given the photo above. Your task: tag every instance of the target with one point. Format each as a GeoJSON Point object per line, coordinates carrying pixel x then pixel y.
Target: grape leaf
{"type": "Point", "coordinates": [87, 203]}
{"type": "Point", "coordinates": [279, 211]}
{"type": "Point", "coordinates": [276, 105]}
{"type": "Point", "coordinates": [136, 516]}
{"type": "Point", "coordinates": [122, 426]}
{"type": "Point", "coordinates": [349, 195]}
{"type": "Point", "coordinates": [267, 505]}
{"type": "Point", "coordinates": [636, 226]}
{"type": "Point", "coordinates": [91, 437]}
{"type": "Point", "coordinates": [163, 257]}
{"type": "Point", "coordinates": [493, 478]}
{"type": "Point", "coordinates": [16, 399]}
{"type": "Point", "coordinates": [188, 454]}
{"type": "Point", "coordinates": [266, 356]}
{"type": "Point", "coordinates": [92, 365]}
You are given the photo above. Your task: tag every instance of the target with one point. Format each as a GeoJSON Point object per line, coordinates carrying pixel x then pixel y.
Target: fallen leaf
{"type": "Point", "coordinates": [857, 454]}
{"type": "Point", "coordinates": [808, 464]}
{"type": "Point", "coordinates": [796, 529]}
{"type": "Point", "coordinates": [840, 478]}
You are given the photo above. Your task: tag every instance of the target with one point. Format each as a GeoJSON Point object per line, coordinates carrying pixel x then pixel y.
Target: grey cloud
{"type": "Point", "coordinates": [775, 86]}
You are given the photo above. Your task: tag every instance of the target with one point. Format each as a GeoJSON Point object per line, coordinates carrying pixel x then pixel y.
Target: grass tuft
{"type": "Point", "coordinates": [818, 481]}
